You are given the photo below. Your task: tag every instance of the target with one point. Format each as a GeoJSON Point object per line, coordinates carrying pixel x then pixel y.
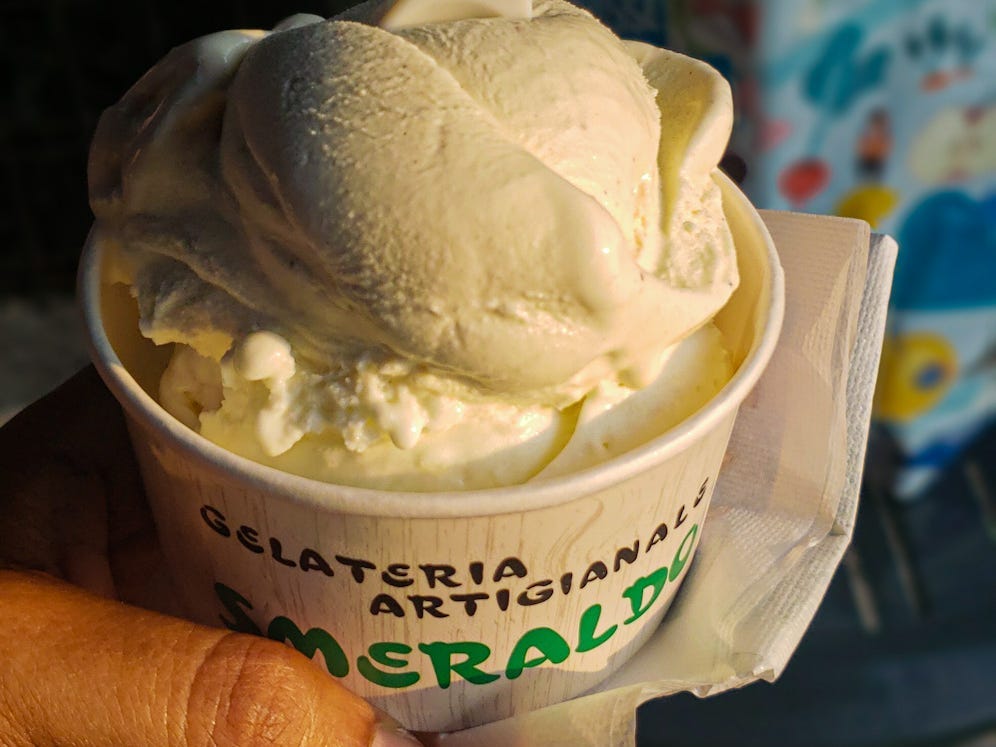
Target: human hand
{"type": "Point", "coordinates": [89, 655]}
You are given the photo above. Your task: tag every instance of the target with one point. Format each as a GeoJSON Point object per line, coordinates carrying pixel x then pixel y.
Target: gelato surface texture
{"type": "Point", "coordinates": [429, 254]}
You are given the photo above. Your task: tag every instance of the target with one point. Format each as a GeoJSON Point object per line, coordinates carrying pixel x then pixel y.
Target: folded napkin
{"type": "Point", "coordinates": [784, 506]}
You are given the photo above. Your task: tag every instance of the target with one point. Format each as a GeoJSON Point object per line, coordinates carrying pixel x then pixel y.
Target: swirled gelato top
{"type": "Point", "coordinates": [424, 245]}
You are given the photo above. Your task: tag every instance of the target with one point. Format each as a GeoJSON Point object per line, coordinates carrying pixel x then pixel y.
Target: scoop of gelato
{"type": "Point", "coordinates": [407, 252]}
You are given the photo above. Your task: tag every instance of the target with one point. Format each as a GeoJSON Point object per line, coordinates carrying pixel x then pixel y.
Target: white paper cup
{"type": "Point", "coordinates": [445, 610]}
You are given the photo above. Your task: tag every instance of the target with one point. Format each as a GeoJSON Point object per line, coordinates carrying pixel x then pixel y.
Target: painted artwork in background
{"type": "Point", "coordinates": [883, 110]}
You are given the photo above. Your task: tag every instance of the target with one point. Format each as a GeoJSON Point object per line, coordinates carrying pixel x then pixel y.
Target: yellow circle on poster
{"type": "Point", "coordinates": [916, 372]}
{"type": "Point", "coordinates": [870, 203]}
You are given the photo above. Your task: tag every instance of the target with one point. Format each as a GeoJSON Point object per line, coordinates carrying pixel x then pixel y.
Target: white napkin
{"type": "Point", "coordinates": [784, 506]}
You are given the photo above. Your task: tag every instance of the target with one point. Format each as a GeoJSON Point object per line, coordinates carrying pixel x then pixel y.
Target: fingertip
{"type": "Point", "coordinates": [249, 691]}
{"type": "Point", "coordinates": [386, 735]}
{"type": "Point", "coordinates": [120, 675]}
{"type": "Point", "coordinates": [388, 732]}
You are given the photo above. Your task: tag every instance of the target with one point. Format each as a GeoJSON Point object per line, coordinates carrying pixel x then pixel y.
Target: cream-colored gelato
{"type": "Point", "coordinates": [425, 254]}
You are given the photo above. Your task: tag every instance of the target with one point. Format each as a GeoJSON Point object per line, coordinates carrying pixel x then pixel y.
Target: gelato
{"type": "Point", "coordinates": [408, 249]}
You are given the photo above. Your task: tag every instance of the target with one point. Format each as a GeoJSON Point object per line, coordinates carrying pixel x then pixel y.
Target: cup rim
{"type": "Point", "coordinates": [315, 494]}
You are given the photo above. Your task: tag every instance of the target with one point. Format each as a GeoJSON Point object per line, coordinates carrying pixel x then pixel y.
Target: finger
{"type": "Point", "coordinates": [79, 669]}
{"type": "Point", "coordinates": [53, 511]}
{"type": "Point", "coordinates": [73, 504]}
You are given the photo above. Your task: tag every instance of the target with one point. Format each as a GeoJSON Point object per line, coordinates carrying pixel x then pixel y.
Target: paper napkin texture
{"type": "Point", "coordinates": [784, 506]}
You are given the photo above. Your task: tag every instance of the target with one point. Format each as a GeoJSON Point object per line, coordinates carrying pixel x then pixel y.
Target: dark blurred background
{"type": "Point", "coordinates": [903, 650]}
{"type": "Point", "coordinates": [61, 63]}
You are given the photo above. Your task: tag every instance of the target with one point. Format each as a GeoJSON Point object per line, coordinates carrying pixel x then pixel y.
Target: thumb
{"type": "Point", "coordinates": [80, 669]}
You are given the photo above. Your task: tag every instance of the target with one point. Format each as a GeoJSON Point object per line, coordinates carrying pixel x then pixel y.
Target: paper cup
{"type": "Point", "coordinates": [445, 610]}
